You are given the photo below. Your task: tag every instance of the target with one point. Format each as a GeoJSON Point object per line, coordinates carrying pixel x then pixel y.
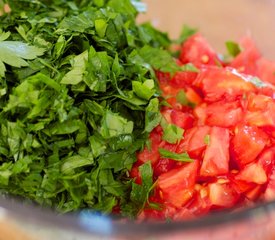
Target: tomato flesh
{"type": "Point", "coordinates": [229, 133]}
{"type": "Point", "coordinates": [216, 157]}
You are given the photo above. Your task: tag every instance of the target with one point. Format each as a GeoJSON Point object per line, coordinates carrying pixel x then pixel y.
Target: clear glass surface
{"type": "Point", "coordinates": [218, 21]}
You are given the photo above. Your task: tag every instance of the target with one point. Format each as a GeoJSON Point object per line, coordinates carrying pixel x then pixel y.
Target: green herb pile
{"type": "Point", "coordinates": [78, 97]}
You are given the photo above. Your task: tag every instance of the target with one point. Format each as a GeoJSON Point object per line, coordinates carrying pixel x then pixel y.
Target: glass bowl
{"type": "Point", "coordinates": [218, 21]}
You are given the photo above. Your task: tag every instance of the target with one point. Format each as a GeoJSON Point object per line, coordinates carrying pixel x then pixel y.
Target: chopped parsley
{"type": "Point", "coordinates": [78, 99]}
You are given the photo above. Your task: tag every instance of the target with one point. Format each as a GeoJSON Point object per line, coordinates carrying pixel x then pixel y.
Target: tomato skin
{"type": "Point", "coordinates": [248, 143]}
{"type": "Point", "coordinates": [222, 84]}
{"type": "Point", "coordinates": [216, 157]}
{"type": "Point", "coordinates": [196, 50]}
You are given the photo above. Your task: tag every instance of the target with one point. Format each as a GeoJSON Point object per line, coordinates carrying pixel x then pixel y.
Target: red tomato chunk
{"type": "Point", "coordinates": [228, 132]}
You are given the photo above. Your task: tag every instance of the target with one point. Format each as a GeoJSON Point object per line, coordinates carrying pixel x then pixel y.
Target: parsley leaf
{"type": "Point", "coordinates": [144, 90]}
{"type": "Point", "coordinates": [140, 193]}
{"type": "Point", "coordinates": [152, 115]}
{"type": "Point", "coordinates": [182, 157]}
{"type": "Point", "coordinates": [159, 59]}
{"type": "Point", "coordinates": [172, 133]}
{"type": "Point", "coordinates": [13, 53]}
{"type": "Point", "coordinates": [80, 97]}
{"type": "Point", "coordinates": [233, 48]}
{"type": "Point", "coordinates": [186, 32]}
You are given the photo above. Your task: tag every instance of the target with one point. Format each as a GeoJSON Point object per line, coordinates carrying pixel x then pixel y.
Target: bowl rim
{"type": "Point", "coordinates": [88, 222]}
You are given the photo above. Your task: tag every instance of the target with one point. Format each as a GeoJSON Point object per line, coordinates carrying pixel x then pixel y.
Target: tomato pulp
{"type": "Point", "coordinates": [227, 113]}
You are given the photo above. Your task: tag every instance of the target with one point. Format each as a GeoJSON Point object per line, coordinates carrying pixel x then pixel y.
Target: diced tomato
{"type": "Point", "coordinates": [177, 196]}
{"type": "Point", "coordinates": [196, 50]}
{"type": "Point", "coordinates": [269, 194]}
{"type": "Point", "coordinates": [246, 61]}
{"type": "Point", "coordinates": [183, 214]}
{"type": "Point", "coordinates": [216, 157]}
{"type": "Point", "coordinates": [268, 91]}
{"type": "Point", "coordinates": [166, 113]}
{"type": "Point", "coordinates": [194, 141]}
{"type": "Point", "coordinates": [260, 119]}
{"type": "Point", "coordinates": [192, 96]}
{"type": "Point", "coordinates": [184, 177]}
{"type": "Point", "coordinates": [229, 131]}
{"type": "Point", "coordinates": [183, 79]}
{"type": "Point", "coordinates": [257, 102]}
{"type": "Point", "coordinates": [151, 154]}
{"type": "Point", "coordinates": [252, 172]}
{"type": "Point", "coordinates": [266, 70]}
{"type": "Point", "coordinates": [221, 113]}
{"type": "Point", "coordinates": [168, 90]}
{"type": "Point", "coordinates": [163, 165]}
{"type": "Point", "coordinates": [200, 203]}
{"type": "Point", "coordinates": [260, 111]}
{"type": "Point", "coordinates": [242, 186]}
{"type": "Point", "coordinates": [148, 155]}
{"type": "Point", "coordinates": [176, 185]}
{"type": "Point", "coordinates": [222, 84]}
{"type": "Point", "coordinates": [182, 119]}
{"type": "Point", "coordinates": [254, 193]}
{"type": "Point", "coordinates": [167, 211]}
{"type": "Point", "coordinates": [149, 214]}
{"type": "Point", "coordinates": [267, 159]}
{"type": "Point", "coordinates": [163, 78]}
{"type": "Point", "coordinates": [248, 143]}
{"type": "Point", "coordinates": [222, 195]}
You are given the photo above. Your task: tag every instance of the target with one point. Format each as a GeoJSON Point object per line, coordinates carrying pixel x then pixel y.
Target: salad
{"type": "Point", "coordinates": [97, 112]}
